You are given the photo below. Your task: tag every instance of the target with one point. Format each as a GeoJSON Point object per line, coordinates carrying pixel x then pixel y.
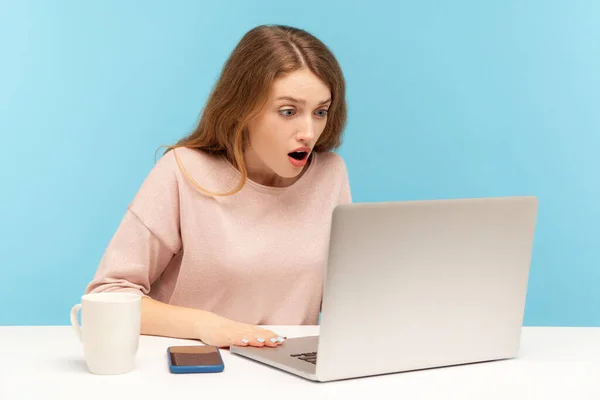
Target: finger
{"type": "Point", "coordinates": [274, 339]}
{"type": "Point", "coordinates": [240, 342]}
{"type": "Point", "coordinates": [272, 342]}
{"type": "Point", "coordinates": [254, 340]}
{"type": "Point", "coordinates": [266, 337]}
{"type": "Point", "coordinates": [279, 339]}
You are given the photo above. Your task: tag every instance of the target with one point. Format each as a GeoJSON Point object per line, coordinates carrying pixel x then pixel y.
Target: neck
{"type": "Point", "coordinates": [266, 177]}
{"type": "Point", "coordinates": [270, 180]}
{"type": "Point", "coordinates": [261, 174]}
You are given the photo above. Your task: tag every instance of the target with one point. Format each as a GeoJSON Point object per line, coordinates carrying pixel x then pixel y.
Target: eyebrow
{"type": "Point", "coordinates": [299, 101]}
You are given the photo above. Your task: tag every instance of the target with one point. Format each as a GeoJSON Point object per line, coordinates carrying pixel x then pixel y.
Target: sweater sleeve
{"type": "Point", "coordinates": [147, 238]}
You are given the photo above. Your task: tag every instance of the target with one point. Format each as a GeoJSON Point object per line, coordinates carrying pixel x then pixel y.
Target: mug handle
{"type": "Point", "coordinates": [75, 322]}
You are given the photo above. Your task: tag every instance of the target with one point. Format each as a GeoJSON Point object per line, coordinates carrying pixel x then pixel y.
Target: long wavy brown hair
{"type": "Point", "coordinates": [264, 54]}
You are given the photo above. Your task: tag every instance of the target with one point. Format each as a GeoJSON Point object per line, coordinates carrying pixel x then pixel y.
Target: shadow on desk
{"type": "Point", "coordinates": [73, 365]}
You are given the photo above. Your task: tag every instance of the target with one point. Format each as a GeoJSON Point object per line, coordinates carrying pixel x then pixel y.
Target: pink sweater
{"type": "Point", "coordinates": [257, 256]}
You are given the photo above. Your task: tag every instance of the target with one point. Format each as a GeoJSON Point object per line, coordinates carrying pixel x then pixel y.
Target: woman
{"type": "Point", "coordinates": [230, 228]}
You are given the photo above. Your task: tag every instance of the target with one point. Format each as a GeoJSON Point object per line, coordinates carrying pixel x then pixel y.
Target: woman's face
{"type": "Point", "coordinates": [283, 135]}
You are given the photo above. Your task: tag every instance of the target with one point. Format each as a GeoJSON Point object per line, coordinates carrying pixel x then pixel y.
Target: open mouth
{"type": "Point", "coordinates": [298, 155]}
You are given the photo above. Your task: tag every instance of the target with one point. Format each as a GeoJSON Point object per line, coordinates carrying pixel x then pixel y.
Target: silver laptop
{"type": "Point", "coordinates": [416, 285]}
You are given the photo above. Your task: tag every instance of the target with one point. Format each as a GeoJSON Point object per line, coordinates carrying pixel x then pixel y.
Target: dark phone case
{"type": "Point", "coordinates": [196, 359]}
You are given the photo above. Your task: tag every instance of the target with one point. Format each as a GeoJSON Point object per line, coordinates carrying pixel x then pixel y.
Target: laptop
{"type": "Point", "coordinates": [416, 285]}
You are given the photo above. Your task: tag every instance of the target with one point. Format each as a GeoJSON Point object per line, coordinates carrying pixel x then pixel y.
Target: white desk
{"type": "Point", "coordinates": [47, 362]}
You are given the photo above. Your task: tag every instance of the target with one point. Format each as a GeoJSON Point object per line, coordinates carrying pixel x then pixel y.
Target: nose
{"type": "Point", "coordinates": [307, 131]}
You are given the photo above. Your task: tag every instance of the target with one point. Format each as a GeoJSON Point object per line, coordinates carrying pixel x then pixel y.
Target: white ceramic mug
{"type": "Point", "coordinates": [110, 331]}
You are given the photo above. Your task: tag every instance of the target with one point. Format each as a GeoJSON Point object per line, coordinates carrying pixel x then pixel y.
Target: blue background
{"type": "Point", "coordinates": [446, 99]}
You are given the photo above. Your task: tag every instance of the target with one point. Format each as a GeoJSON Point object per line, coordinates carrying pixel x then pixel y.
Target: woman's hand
{"type": "Point", "coordinates": [160, 319]}
{"type": "Point", "coordinates": [222, 332]}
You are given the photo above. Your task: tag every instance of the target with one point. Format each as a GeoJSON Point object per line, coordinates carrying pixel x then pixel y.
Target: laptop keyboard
{"type": "Point", "coordinates": [308, 357]}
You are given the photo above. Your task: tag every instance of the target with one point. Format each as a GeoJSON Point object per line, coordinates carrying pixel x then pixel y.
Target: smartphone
{"type": "Point", "coordinates": [194, 359]}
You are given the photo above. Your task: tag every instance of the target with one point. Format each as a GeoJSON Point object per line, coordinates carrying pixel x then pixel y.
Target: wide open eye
{"type": "Point", "coordinates": [287, 112]}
